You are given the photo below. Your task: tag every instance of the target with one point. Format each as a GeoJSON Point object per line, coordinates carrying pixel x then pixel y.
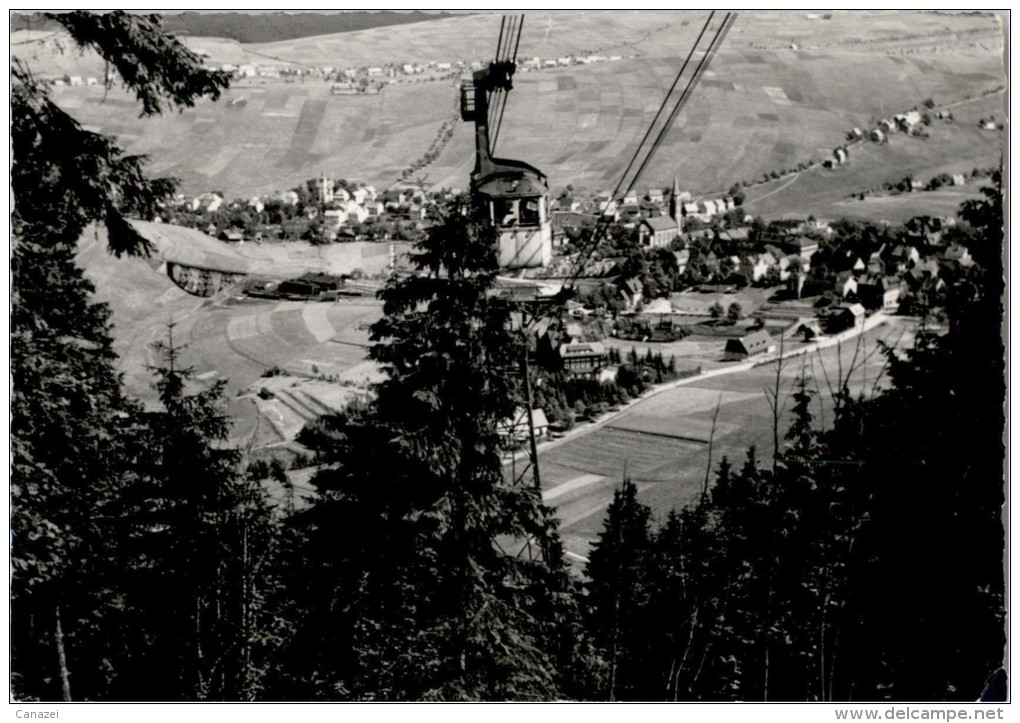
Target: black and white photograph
{"type": "Point", "coordinates": [509, 355]}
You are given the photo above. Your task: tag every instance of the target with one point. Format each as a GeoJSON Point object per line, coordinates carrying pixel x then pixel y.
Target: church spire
{"type": "Point", "coordinates": [674, 201]}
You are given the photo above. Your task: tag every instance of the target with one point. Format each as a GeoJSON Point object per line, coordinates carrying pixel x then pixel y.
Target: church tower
{"type": "Point", "coordinates": [675, 209]}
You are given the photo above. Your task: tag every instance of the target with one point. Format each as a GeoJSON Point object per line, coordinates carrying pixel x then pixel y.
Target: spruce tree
{"type": "Point", "coordinates": [74, 434]}
{"type": "Point", "coordinates": [436, 576]}
{"type": "Point", "coordinates": [617, 595]}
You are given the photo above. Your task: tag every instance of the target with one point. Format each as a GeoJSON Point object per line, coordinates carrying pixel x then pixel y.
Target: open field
{"type": "Point", "coordinates": [956, 147]}
{"type": "Point", "coordinates": [763, 106]}
{"type": "Point", "coordinates": [661, 443]}
{"type": "Point", "coordinates": [237, 339]}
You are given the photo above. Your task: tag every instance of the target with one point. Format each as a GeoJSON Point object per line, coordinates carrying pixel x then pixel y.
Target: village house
{"type": "Point", "coordinates": [802, 246]}
{"type": "Point", "coordinates": [879, 293]}
{"type": "Point", "coordinates": [584, 359]}
{"type": "Point", "coordinates": [754, 344]}
{"type": "Point", "coordinates": [631, 290]}
{"type": "Point", "coordinates": [846, 284]}
{"type": "Point", "coordinates": [763, 263]}
{"type": "Point", "coordinates": [683, 257]}
{"type": "Point", "coordinates": [516, 429]}
{"type": "Point", "coordinates": [336, 217]}
{"type": "Point", "coordinates": [841, 318]}
{"type": "Point", "coordinates": [960, 254]}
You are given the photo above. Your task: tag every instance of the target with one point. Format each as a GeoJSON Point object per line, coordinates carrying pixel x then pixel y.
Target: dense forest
{"type": "Point", "coordinates": [259, 27]}
{"type": "Point", "coordinates": [860, 559]}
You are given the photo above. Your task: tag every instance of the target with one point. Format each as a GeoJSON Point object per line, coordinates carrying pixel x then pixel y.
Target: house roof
{"type": "Point", "coordinates": [754, 342]}
{"type": "Point", "coordinates": [735, 234]}
{"type": "Point", "coordinates": [519, 422]}
{"type": "Point", "coordinates": [588, 348]}
{"type": "Point", "coordinates": [660, 223]}
{"type": "Point", "coordinates": [856, 309]}
{"type": "Point", "coordinates": [632, 285]}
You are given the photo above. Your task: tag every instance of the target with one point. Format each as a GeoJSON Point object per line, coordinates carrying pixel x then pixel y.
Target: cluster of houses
{"type": "Point", "coordinates": [909, 123]}
{"type": "Point", "coordinates": [76, 80]}
{"type": "Point", "coordinates": [312, 286]}
{"type": "Point", "coordinates": [536, 63]}
{"type": "Point", "coordinates": [657, 216]}
{"type": "Point", "coordinates": [336, 209]}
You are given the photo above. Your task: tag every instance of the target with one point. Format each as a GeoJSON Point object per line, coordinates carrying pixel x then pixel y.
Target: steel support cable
{"type": "Point", "coordinates": [698, 73]}
{"type": "Point", "coordinates": [502, 49]}
{"type": "Point", "coordinates": [499, 43]}
{"type": "Point", "coordinates": [512, 59]}
{"type": "Point", "coordinates": [601, 225]}
{"type": "Point", "coordinates": [662, 106]}
{"type": "Point", "coordinates": [517, 43]}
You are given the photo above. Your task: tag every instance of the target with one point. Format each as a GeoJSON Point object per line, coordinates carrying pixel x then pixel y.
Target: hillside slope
{"type": "Point", "coordinates": [784, 90]}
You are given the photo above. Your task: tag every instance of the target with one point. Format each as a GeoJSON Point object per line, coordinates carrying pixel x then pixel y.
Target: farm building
{"type": "Point", "coordinates": [584, 359]}
{"type": "Point", "coordinates": [231, 236]}
{"type": "Point", "coordinates": [655, 195]}
{"type": "Point", "coordinates": [516, 429]}
{"type": "Point", "coordinates": [878, 136]}
{"type": "Point", "coordinates": [754, 344]}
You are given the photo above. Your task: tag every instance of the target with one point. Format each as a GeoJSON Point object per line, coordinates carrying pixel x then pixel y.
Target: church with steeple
{"type": "Point", "coordinates": [661, 231]}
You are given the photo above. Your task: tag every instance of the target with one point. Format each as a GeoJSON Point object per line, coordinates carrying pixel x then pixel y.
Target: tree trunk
{"type": "Point", "coordinates": [58, 639]}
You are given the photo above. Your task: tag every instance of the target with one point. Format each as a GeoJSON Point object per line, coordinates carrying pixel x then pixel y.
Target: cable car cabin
{"type": "Point", "coordinates": [515, 194]}
{"type": "Point", "coordinates": [517, 199]}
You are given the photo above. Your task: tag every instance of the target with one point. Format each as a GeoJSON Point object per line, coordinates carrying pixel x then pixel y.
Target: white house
{"type": "Point", "coordinates": [762, 265]}
{"type": "Point", "coordinates": [289, 197]}
{"type": "Point", "coordinates": [516, 429]}
{"type": "Point", "coordinates": [335, 216]}
{"type": "Point", "coordinates": [246, 71]}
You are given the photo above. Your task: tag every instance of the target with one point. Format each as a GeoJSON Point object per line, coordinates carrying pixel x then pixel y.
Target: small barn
{"type": "Point", "coordinates": [754, 344]}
